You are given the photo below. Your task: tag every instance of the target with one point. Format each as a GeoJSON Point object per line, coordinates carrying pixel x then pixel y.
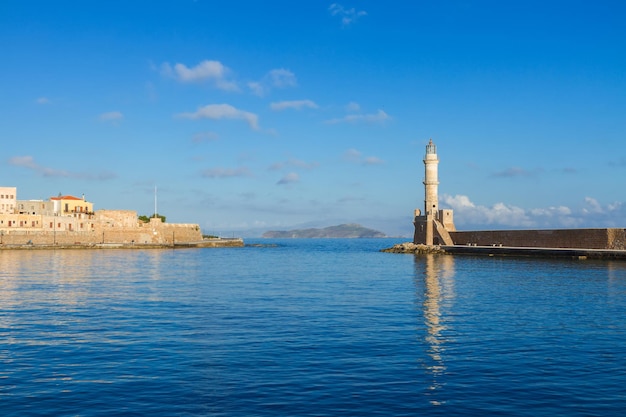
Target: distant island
{"type": "Point", "coordinates": [342, 231]}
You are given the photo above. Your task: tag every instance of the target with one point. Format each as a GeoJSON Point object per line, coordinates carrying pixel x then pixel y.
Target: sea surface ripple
{"type": "Point", "coordinates": [309, 327]}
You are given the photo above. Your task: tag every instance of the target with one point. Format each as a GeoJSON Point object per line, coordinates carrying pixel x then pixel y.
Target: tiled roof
{"type": "Point", "coordinates": [66, 197]}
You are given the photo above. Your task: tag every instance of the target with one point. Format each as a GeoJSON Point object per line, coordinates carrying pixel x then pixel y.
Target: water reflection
{"type": "Point", "coordinates": [435, 277]}
{"type": "Point", "coordinates": [55, 291]}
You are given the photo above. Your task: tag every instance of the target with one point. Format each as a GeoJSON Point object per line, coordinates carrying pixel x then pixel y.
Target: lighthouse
{"type": "Point", "coordinates": [432, 226]}
{"type": "Point", "coordinates": [431, 180]}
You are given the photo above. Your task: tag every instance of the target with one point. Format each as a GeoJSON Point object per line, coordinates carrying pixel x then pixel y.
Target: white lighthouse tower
{"type": "Point", "coordinates": [431, 180]}
{"type": "Point", "coordinates": [432, 226]}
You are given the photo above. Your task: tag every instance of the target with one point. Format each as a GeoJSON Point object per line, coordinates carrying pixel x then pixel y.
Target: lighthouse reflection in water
{"type": "Point", "coordinates": [437, 273]}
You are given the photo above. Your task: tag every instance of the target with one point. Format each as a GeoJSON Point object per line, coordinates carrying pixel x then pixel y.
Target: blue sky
{"type": "Point", "coordinates": [251, 116]}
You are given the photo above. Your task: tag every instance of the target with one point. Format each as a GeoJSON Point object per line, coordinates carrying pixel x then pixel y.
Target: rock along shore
{"type": "Point", "coordinates": [410, 247]}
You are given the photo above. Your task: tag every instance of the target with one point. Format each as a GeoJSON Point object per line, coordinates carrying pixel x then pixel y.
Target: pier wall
{"type": "Point", "coordinates": [558, 238]}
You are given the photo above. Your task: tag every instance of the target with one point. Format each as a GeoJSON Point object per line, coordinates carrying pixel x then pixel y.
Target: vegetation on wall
{"type": "Point", "coordinates": [146, 219]}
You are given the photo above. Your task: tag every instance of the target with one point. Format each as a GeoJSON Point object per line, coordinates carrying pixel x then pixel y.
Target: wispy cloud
{"type": "Point", "coordinates": [378, 117]}
{"type": "Point", "coordinates": [348, 16]}
{"type": "Point", "coordinates": [42, 100]}
{"type": "Point", "coordinates": [28, 162]}
{"type": "Point", "coordinates": [515, 172]}
{"type": "Point", "coordinates": [373, 160]}
{"type": "Point", "coordinates": [223, 111]}
{"type": "Point", "coordinates": [620, 163]}
{"type": "Point", "coordinates": [276, 78]}
{"type": "Point", "coordinates": [202, 137]}
{"type": "Point", "coordinates": [353, 107]}
{"type": "Point", "coordinates": [206, 71]}
{"type": "Point", "coordinates": [113, 117]}
{"type": "Point", "coordinates": [355, 156]}
{"type": "Point", "coordinates": [290, 178]}
{"type": "Point", "coordinates": [294, 104]}
{"type": "Point", "coordinates": [293, 162]}
{"type": "Point", "coordinates": [226, 172]}
{"type": "Point", "coordinates": [282, 78]}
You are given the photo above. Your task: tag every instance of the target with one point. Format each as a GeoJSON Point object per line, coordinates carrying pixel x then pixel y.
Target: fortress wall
{"type": "Point", "coordinates": [558, 238]}
{"type": "Point", "coordinates": [40, 237]}
{"type": "Point", "coordinates": [163, 235]}
{"type": "Point", "coordinates": [617, 239]}
{"type": "Point", "coordinates": [123, 218]}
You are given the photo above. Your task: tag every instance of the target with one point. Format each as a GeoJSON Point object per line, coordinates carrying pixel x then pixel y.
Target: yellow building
{"type": "Point", "coordinates": [67, 205]}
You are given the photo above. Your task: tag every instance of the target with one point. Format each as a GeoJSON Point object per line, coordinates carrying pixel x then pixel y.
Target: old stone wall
{"type": "Point", "coordinates": [106, 226]}
{"type": "Point", "coordinates": [559, 238]}
{"type": "Point", "coordinates": [617, 239]}
{"type": "Point", "coordinates": [164, 235]}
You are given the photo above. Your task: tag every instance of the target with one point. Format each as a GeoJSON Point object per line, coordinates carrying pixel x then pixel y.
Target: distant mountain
{"type": "Point", "coordinates": [342, 231]}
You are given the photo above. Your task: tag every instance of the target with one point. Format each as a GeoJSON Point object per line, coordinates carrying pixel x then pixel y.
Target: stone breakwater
{"type": "Point", "coordinates": [530, 252]}
{"type": "Point", "coordinates": [414, 248]}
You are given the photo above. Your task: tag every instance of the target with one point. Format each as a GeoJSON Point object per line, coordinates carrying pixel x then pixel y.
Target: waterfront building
{"type": "Point", "coordinates": [68, 220]}
{"type": "Point", "coordinates": [8, 200]}
{"type": "Point", "coordinates": [67, 205]}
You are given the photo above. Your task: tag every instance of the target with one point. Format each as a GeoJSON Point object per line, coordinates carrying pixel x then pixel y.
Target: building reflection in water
{"type": "Point", "coordinates": [435, 277]}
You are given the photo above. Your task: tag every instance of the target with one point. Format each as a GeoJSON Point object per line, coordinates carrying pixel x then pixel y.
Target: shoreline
{"type": "Point", "coordinates": [207, 243]}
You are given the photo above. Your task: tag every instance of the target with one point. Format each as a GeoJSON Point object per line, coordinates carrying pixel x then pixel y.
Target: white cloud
{"type": "Point", "coordinates": [289, 179]}
{"type": "Point", "coordinates": [355, 156]}
{"type": "Point", "coordinates": [352, 154]}
{"type": "Point", "coordinates": [348, 16]}
{"type": "Point", "coordinates": [379, 117]}
{"type": "Point", "coordinates": [226, 172]}
{"type": "Point", "coordinates": [373, 160]}
{"type": "Point", "coordinates": [223, 111]}
{"type": "Point", "coordinates": [276, 78]}
{"type": "Point", "coordinates": [43, 100]}
{"type": "Point", "coordinates": [112, 116]}
{"type": "Point", "coordinates": [29, 163]}
{"type": "Point", "coordinates": [206, 70]}
{"type": "Point", "coordinates": [501, 215]}
{"type": "Point", "coordinates": [282, 78]}
{"type": "Point", "coordinates": [293, 162]}
{"type": "Point", "coordinates": [294, 104]}
{"type": "Point", "coordinates": [353, 107]}
{"type": "Point", "coordinates": [256, 88]}
{"type": "Point", "coordinates": [592, 206]}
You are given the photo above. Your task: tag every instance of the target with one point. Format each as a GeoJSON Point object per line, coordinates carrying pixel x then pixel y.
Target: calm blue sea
{"type": "Point", "coordinates": [317, 327]}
